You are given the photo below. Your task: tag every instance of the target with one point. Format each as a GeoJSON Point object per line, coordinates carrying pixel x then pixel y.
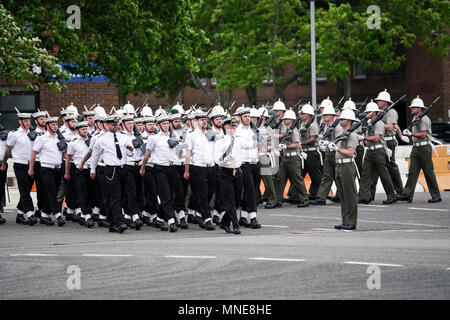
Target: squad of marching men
{"type": "Point", "coordinates": [170, 169]}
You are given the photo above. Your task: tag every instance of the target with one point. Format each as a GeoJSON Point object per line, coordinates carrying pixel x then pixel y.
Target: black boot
{"type": "Point", "coordinates": [254, 224]}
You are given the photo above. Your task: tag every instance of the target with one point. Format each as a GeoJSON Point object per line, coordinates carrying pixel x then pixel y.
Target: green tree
{"type": "Point", "coordinates": [23, 58]}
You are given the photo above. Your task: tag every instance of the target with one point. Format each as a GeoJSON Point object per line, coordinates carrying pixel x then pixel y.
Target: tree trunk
{"type": "Point", "coordinates": [343, 88]}
{"type": "Point", "coordinates": [251, 95]}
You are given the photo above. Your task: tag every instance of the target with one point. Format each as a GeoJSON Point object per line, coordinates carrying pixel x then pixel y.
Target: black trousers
{"type": "Point", "coordinates": [219, 205]}
{"type": "Point", "coordinates": [251, 178]}
{"type": "Point", "coordinates": [232, 191]}
{"type": "Point", "coordinates": [165, 188]}
{"type": "Point", "coordinates": [150, 201]}
{"type": "Point", "coordinates": [41, 194]}
{"type": "Point", "coordinates": [3, 175]}
{"type": "Point", "coordinates": [100, 185]}
{"type": "Point", "coordinates": [203, 181]}
{"type": "Point", "coordinates": [115, 191]}
{"type": "Point", "coordinates": [70, 187]}
{"type": "Point", "coordinates": [85, 189]}
{"type": "Point", "coordinates": [180, 189]}
{"type": "Point", "coordinates": [52, 179]}
{"type": "Point", "coordinates": [135, 200]}
{"type": "Point", "coordinates": [25, 183]}
{"type": "Point", "coordinates": [313, 168]}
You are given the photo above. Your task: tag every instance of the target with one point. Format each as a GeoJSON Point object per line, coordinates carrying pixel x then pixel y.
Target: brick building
{"type": "Point", "coordinates": [421, 74]}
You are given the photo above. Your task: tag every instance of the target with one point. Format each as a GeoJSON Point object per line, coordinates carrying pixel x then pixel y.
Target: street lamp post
{"type": "Point", "coordinates": [313, 54]}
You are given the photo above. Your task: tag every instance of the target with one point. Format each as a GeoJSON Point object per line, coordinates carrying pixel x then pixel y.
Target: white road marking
{"type": "Point", "coordinates": [373, 205]}
{"type": "Point", "coordinates": [323, 229]}
{"type": "Point", "coordinates": [277, 259]}
{"type": "Point", "coordinates": [359, 220]}
{"type": "Point", "coordinates": [33, 255]}
{"type": "Point", "coordinates": [374, 263]}
{"type": "Point", "coordinates": [429, 209]}
{"type": "Point", "coordinates": [273, 226]}
{"type": "Point", "coordinates": [106, 255]}
{"type": "Point", "coordinates": [191, 257]}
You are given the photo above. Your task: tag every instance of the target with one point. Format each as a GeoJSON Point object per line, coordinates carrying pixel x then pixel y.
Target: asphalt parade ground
{"type": "Point", "coordinates": [399, 251]}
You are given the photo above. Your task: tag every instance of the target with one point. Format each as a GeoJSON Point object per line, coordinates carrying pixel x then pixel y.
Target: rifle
{"type": "Point", "coordinates": [381, 114]}
{"type": "Point", "coordinates": [62, 144]}
{"type": "Point", "coordinates": [138, 142]}
{"type": "Point", "coordinates": [423, 114]}
{"type": "Point", "coordinates": [290, 130]}
{"type": "Point", "coordinates": [338, 104]}
{"type": "Point", "coordinates": [358, 111]}
{"type": "Point", "coordinates": [307, 125]}
{"type": "Point", "coordinates": [3, 133]}
{"type": "Point", "coordinates": [255, 130]}
{"type": "Point", "coordinates": [172, 141]}
{"type": "Point", "coordinates": [344, 135]}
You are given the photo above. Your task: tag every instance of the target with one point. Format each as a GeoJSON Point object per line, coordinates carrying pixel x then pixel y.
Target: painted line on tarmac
{"type": "Point", "coordinates": [373, 205]}
{"type": "Point", "coordinates": [323, 229]}
{"type": "Point", "coordinates": [359, 220]}
{"type": "Point", "coordinates": [106, 255]}
{"type": "Point", "coordinates": [373, 263]}
{"type": "Point", "coordinates": [273, 226]}
{"type": "Point", "coordinates": [33, 255]}
{"type": "Point", "coordinates": [276, 259]}
{"type": "Point", "coordinates": [191, 257]}
{"type": "Point", "coordinates": [429, 209]}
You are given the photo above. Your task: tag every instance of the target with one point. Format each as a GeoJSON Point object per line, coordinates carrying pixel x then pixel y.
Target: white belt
{"type": "Point", "coordinates": [346, 160]}
{"type": "Point", "coordinates": [165, 164]}
{"type": "Point", "coordinates": [252, 161]}
{"type": "Point", "coordinates": [389, 138]}
{"type": "Point", "coordinates": [149, 165]}
{"type": "Point", "coordinates": [290, 154]}
{"type": "Point", "coordinates": [21, 161]}
{"type": "Point", "coordinates": [420, 144]}
{"type": "Point", "coordinates": [86, 166]}
{"type": "Point", "coordinates": [205, 165]}
{"type": "Point", "coordinates": [310, 149]}
{"type": "Point", "coordinates": [377, 146]}
{"type": "Point", "coordinates": [101, 164]}
{"type": "Point", "coordinates": [134, 163]}
{"type": "Point", "coordinates": [51, 166]}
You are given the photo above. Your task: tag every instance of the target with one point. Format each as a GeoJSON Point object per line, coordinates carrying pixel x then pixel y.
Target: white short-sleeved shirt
{"type": "Point", "coordinates": [70, 136]}
{"type": "Point", "coordinates": [161, 152]}
{"type": "Point", "coordinates": [136, 155]}
{"type": "Point", "coordinates": [247, 134]}
{"type": "Point", "coordinates": [202, 149]}
{"type": "Point", "coordinates": [78, 149]}
{"type": "Point", "coordinates": [221, 147]}
{"type": "Point", "coordinates": [20, 144]}
{"type": "Point", "coordinates": [105, 147]}
{"type": "Point", "coordinates": [48, 150]}
{"type": "Point", "coordinates": [2, 149]}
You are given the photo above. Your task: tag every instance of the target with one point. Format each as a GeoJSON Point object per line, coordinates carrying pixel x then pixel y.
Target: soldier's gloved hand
{"type": "Point", "coordinates": [369, 122]}
{"type": "Point", "coordinates": [407, 133]}
{"type": "Point", "coordinates": [360, 137]}
{"type": "Point", "coordinates": [332, 146]}
{"type": "Point", "coordinates": [303, 155]}
{"type": "Point", "coordinates": [388, 152]}
{"type": "Point", "coordinates": [405, 139]}
{"type": "Point", "coordinates": [282, 146]}
{"type": "Point", "coordinates": [322, 148]}
{"type": "Point", "coordinates": [320, 136]}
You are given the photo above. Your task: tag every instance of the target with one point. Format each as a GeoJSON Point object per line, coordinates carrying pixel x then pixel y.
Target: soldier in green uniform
{"type": "Point", "coordinates": [329, 162]}
{"type": "Point", "coordinates": [308, 139]}
{"type": "Point", "coordinates": [291, 165]}
{"type": "Point", "coordinates": [267, 160]}
{"type": "Point", "coordinates": [359, 154]}
{"type": "Point", "coordinates": [420, 155]}
{"type": "Point", "coordinates": [390, 120]}
{"type": "Point", "coordinates": [346, 173]}
{"type": "Point", "coordinates": [374, 165]}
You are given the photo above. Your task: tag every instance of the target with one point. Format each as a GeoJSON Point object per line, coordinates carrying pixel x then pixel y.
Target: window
{"type": "Point", "coordinates": [321, 76]}
{"type": "Point", "coordinates": [213, 82]}
{"type": "Point", "coordinates": [358, 71]}
{"type": "Point", "coordinates": [203, 81]}
{"type": "Point", "coordinates": [24, 101]}
{"type": "Point", "coordinates": [268, 78]}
